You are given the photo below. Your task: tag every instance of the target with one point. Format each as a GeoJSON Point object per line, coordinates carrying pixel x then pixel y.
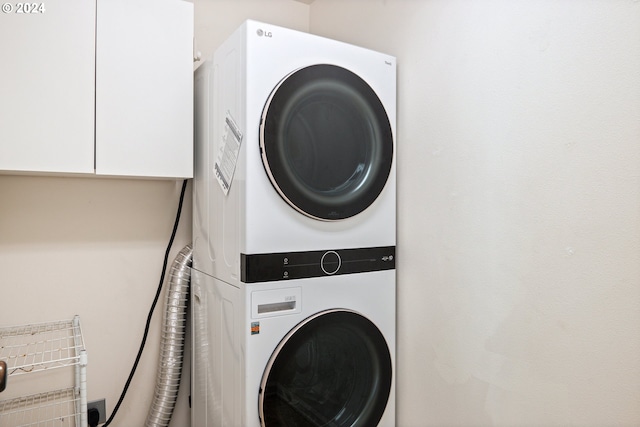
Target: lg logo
{"type": "Point", "coordinates": [264, 33]}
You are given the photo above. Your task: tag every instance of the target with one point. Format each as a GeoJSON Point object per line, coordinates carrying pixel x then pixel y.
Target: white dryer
{"type": "Point", "coordinates": [304, 352]}
{"type": "Point", "coordinates": [295, 154]}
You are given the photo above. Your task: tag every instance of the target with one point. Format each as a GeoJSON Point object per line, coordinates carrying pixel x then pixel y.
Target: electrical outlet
{"type": "Point", "coordinates": [100, 406]}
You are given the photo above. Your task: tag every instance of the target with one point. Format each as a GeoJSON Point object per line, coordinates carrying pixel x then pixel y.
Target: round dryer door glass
{"type": "Point", "coordinates": [326, 142]}
{"type": "Point", "coordinates": [333, 369]}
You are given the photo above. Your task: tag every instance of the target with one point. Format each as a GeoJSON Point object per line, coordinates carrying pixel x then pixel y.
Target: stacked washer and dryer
{"type": "Point", "coordinates": [293, 281]}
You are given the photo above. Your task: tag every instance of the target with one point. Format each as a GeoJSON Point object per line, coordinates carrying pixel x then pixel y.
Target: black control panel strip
{"type": "Point", "coordinates": [301, 265]}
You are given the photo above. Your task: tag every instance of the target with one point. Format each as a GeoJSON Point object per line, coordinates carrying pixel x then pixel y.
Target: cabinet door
{"type": "Point", "coordinates": [47, 76]}
{"type": "Point", "coordinates": [144, 88]}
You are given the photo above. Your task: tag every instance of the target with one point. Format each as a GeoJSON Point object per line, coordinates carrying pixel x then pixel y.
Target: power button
{"type": "Point", "coordinates": [330, 262]}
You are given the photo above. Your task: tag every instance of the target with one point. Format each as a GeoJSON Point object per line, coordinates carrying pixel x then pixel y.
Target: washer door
{"type": "Point", "coordinates": [332, 369]}
{"type": "Point", "coordinates": [326, 142]}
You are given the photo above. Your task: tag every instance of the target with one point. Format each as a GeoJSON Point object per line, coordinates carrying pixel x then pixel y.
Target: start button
{"type": "Point", "coordinates": [330, 262]}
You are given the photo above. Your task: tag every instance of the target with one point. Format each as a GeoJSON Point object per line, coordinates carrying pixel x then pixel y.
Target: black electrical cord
{"type": "Point", "coordinates": [153, 306]}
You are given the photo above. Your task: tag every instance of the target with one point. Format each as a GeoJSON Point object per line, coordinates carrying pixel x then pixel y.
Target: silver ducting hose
{"type": "Point", "coordinates": [173, 341]}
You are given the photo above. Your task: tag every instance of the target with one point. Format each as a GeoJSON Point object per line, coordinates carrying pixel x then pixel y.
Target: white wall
{"type": "Point", "coordinates": [215, 20]}
{"type": "Point", "coordinates": [92, 247]}
{"type": "Point", "coordinates": [519, 206]}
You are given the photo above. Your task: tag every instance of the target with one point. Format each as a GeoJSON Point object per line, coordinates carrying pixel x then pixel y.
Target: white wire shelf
{"type": "Point", "coordinates": [54, 408]}
{"type": "Point", "coordinates": [30, 348]}
{"type": "Point", "coordinates": [36, 348]}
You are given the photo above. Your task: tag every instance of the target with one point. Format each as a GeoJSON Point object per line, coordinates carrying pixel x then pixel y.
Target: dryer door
{"type": "Point", "coordinates": [326, 142]}
{"type": "Point", "coordinates": [333, 369]}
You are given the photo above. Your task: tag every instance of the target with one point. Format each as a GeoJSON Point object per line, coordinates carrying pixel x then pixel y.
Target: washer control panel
{"type": "Point", "coordinates": [331, 262]}
{"type": "Point", "coordinates": [300, 265]}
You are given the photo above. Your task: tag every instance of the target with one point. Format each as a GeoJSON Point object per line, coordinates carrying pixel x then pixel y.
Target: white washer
{"type": "Point", "coordinates": [307, 352]}
{"type": "Point", "coordinates": [300, 131]}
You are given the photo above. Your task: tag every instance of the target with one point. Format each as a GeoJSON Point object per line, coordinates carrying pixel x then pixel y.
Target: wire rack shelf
{"type": "Point", "coordinates": [28, 349]}
{"type": "Point", "coordinates": [53, 408]}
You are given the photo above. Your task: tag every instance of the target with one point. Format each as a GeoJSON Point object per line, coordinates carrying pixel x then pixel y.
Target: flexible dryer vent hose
{"type": "Point", "coordinates": [172, 341]}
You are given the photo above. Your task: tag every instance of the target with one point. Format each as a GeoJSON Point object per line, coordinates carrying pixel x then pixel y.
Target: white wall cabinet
{"type": "Point", "coordinates": [97, 87]}
{"type": "Point", "coordinates": [47, 77]}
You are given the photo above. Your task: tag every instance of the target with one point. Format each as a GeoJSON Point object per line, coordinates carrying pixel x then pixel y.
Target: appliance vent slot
{"type": "Point", "coordinates": [276, 306]}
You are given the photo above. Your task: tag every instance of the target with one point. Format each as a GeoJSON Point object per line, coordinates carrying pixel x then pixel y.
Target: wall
{"type": "Point", "coordinates": [519, 206]}
{"type": "Point", "coordinates": [94, 247]}
{"type": "Point", "coordinates": [217, 19]}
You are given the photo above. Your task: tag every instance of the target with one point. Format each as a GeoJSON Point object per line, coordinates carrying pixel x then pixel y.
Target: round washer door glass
{"type": "Point", "coordinates": [326, 142]}
{"type": "Point", "coordinates": [333, 369]}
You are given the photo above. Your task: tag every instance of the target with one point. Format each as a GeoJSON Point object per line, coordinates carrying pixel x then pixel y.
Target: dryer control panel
{"type": "Point", "coordinates": [300, 265]}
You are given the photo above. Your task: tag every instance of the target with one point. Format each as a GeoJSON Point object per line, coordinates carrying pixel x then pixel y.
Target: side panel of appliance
{"type": "Point", "coordinates": [218, 218]}
{"type": "Point", "coordinates": [217, 384]}
{"type": "Point", "coordinates": [203, 259]}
